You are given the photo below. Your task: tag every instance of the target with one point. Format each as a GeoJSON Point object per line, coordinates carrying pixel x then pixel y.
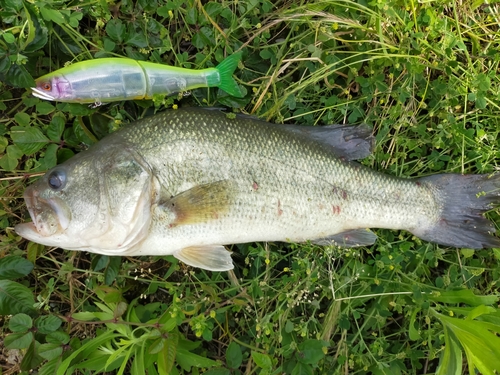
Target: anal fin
{"type": "Point", "coordinates": [212, 258]}
{"type": "Point", "coordinates": [349, 238]}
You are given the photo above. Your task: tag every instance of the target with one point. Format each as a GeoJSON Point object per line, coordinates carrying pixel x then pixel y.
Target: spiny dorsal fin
{"type": "Point", "coordinates": [350, 142]}
{"type": "Point", "coordinates": [201, 203]}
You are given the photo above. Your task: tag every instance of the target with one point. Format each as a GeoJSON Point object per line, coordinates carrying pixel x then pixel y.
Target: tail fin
{"type": "Point", "coordinates": [463, 200]}
{"type": "Point", "coordinates": [226, 69]}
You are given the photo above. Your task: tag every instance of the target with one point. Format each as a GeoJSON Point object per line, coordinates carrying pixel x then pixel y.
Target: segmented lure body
{"type": "Point", "coordinates": [114, 79]}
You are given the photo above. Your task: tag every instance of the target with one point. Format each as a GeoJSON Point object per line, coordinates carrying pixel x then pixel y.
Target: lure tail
{"type": "Point", "coordinates": [226, 69]}
{"type": "Point", "coordinates": [463, 200]}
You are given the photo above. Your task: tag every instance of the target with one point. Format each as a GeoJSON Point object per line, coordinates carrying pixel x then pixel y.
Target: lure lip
{"type": "Point", "coordinates": [41, 94]}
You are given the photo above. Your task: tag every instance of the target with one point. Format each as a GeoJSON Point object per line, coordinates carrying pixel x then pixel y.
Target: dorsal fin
{"type": "Point", "coordinates": [350, 142]}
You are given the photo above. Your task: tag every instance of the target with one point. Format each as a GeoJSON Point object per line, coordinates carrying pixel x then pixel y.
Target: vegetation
{"type": "Point", "coordinates": [423, 74]}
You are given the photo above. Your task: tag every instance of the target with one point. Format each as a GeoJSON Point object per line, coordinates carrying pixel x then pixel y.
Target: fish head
{"type": "Point", "coordinates": [98, 201]}
{"type": "Point", "coordinates": [53, 86]}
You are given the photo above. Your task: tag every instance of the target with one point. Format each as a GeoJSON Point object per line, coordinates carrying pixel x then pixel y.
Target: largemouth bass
{"type": "Point", "coordinates": [187, 182]}
{"type": "Point", "coordinates": [114, 79]}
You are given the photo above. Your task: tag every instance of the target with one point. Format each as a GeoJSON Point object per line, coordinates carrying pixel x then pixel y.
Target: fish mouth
{"type": "Point", "coordinates": [41, 94]}
{"type": "Point", "coordinates": [50, 216]}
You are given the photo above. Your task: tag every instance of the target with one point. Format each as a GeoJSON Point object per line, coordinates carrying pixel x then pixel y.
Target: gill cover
{"type": "Point", "coordinates": [127, 190]}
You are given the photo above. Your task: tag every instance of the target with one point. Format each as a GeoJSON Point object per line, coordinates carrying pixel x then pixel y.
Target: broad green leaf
{"type": "Point", "coordinates": [481, 310]}
{"type": "Point", "coordinates": [463, 296]}
{"type": "Point", "coordinates": [57, 337]}
{"type": "Point", "coordinates": [74, 19]}
{"type": "Point", "coordinates": [213, 8]}
{"type": "Point", "coordinates": [99, 262]}
{"type": "Point", "coordinates": [15, 298]}
{"type": "Point", "coordinates": [3, 144]}
{"type": "Point", "coordinates": [116, 30]}
{"type": "Point", "coordinates": [86, 316]}
{"type": "Point", "coordinates": [18, 340]}
{"type": "Point", "coordinates": [451, 357]}
{"type": "Point", "coordinates": [20, 323]}
{"type": "Point", "coordinates": [481, 346]}
{"type": "Point", "coordinates": [31, 359]}
{"type": "Point", "coordinates": [48, 323]}
{"type": "Point", "coordinates": [170, 323]}
{"type": "Point", "coordinates": [121, 308]}
{"type": "Point", "coordinates": [33, 250]}
{"type": "Point", "coordinates": [99, 124]}
{"type": "Point", "coordinates": [50, 351]}
{"type": "Point", "coordinates": [481, 102]}
{"type": "Point", "coordinates": [204, 38]}
{"type": "Point", "coordinates": [18, 76]}
{"type": "Point", "coordinates": [64, 154]}
{"type": "Point", "coordinates": [53, 15]}
{"type": "Point", "coordinates": [156, 346]}
{"type": "Point", "coordinates": [13, 267]}
{"type": "Point", "coordinates": [56, 128]}
{"type": "Point", "coordinates": [29, 140]}
{"type": "Point", "coordinates": [10, 160]}
{"type": "Point", "coordinates": [15, 5]}
{"type": "Point", "coordinates": [74, 109]}
{"type": "Point", "coordinates": [138, 40]}
{"type": "Point", "coordinates": [311, 351]}
{"type": "Point", "coordinates": [166, 358]}
{"type": "Point", "coordinates": [22, 118]}
{"type": "Point", "coordinates": [262, 360]}
{"type": "Point", "coordinates": [234, 357]}
{"type": "Point", "coordinates": [8, 37]}
{"type": "Point", "coordinates": [192, 16]}
{"type": "Point", "coordinates": [44, 108]}
{"type": "Point", "coordinates": [49, 159]}
{"type": "Point", "coordinates": [187, 360]}
{"type": "Point", "coordinates": [112, 270]}
{"type": "Point", "coordinates": [302, 369]}
{"type": "Point", "coordinates": [109, 45]}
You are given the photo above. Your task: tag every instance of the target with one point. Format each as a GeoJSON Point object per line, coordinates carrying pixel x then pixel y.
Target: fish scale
{"type": "Point", "coordinates": [299, 175]}
{"type": "Point", "coordinates": [187, 182]}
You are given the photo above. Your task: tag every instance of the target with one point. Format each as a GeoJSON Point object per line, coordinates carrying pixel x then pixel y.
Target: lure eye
{"type": "Point", "coordinates": [57, 180]}
{"type": "Point", "coordinates": [46, 86]}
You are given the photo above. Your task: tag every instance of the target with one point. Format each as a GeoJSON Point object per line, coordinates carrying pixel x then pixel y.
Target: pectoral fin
{"type": "Point", "coordinates": [200, 204]}
{"type": "Point", "coordinates": [350, 238]}
{"type": "Point", "coordinates": [212, 258]}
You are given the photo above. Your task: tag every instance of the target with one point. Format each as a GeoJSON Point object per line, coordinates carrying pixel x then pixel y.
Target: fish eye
{"type": "Point", "coordinates": [46, 86]}
{"type": "Point", "coordinates": [57, 180]}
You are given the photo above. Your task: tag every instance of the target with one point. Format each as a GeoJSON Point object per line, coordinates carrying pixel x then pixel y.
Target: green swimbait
{"type": "Point", "coordinates": [114, 79]}
{"type": "Point", "coordinates": [189, 181]}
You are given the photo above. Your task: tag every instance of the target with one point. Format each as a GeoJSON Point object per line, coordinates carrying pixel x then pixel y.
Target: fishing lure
{"type": "Point", "coordinates": [114, 79]}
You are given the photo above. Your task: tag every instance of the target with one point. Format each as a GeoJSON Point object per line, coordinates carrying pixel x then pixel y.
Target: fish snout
{"type": "Point", "coordinates": [50, 216]}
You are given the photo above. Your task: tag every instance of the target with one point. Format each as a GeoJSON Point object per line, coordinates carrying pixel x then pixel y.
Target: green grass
{"type": "Point", "coordinates": [423, 74]}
